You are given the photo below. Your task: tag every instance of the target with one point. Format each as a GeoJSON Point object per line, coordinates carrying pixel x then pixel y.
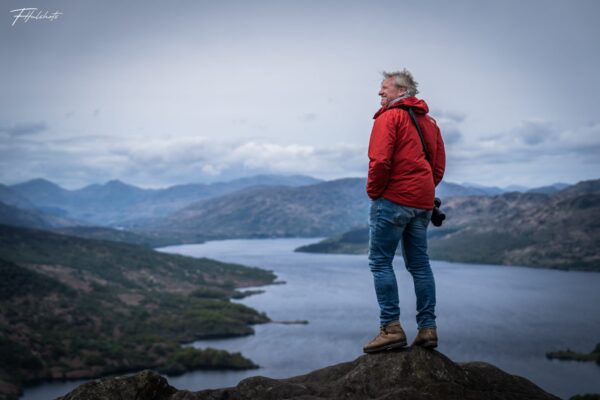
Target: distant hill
{"type": "Point", "coordinates": [259, 206]}
{"type": "Point", "coordinates": [41, 192]}
{"type": "Point", "coordinates": [322, 209]}
{"type": "Point", "coordinates": [534, 229]}
{"type": "Point", "coordinates": [448, 189]}
{"type": "Point", "coordinates": [267, 180]}
{"type": "Point", "coordinates": [481, 190]}
{"type": "Point", "coordinates": [31, 218]}
{"type": "Point", "coordinates": [314, 210]}
{"type": "Point", "coordinates": [492, 190]}
{"type": "Point", "coordinates": [556, 187]}
{"type": "Point", "coordinates": [119, 204]}
{"type": "Point", "coordinates": [12, 198]}
{"type": "Point", "coordinates": [36, 219]}
{"type": "Point", "coordinates": [120, 235]}
{"type": "Point", "coordinates": [81, 308]}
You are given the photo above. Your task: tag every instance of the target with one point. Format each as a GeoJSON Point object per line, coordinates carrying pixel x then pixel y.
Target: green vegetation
{"type": "Point", "coordinates": [187, 359]}
{"type": "Point", "coordinates": [115, 235]}
{"type": "Point", "coordinates": [124, 264]}
{"type": "Point", "coordinates": [574, 356]}
{"type": "Point", "coordinates": [81, 308]}
{"type": "Point", "coordinates": [586, 397]}
{"type": "Point", "coordinates": [355, 241]}
{"type": "Point", "coordinates": [471, 247]}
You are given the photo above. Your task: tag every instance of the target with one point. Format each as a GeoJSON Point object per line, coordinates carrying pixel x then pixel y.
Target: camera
{"type": "Point", "coordinates": [437, 216]}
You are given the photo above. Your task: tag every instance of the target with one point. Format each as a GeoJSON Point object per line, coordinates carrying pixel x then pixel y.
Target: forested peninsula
{"type": "Point", "coordinates": [80, 308]}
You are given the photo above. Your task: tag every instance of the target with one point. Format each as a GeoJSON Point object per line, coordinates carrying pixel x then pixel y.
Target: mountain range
{"type": "Point", "coordinates": [258, 212]}
{"type": "Point", "coordinates": [500, 225]}
{"type": "Point", "coordinates": [115, 202]}
{"type": "Point", "coordinates": [555, 230]}
{"type": "Point", "coordinates": [322, 209]}
{"type": "Point", "coordinates": [118, 204]}
{"type": "Point", "coordinates": [113, 209]}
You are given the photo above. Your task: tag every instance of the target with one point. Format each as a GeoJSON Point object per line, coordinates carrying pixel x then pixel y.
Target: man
{"type": "Point", "coordinates": [401, 184]}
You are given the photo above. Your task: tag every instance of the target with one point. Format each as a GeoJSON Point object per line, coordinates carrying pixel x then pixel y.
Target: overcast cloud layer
{"type": "Point", "coordinates": [157, 93]}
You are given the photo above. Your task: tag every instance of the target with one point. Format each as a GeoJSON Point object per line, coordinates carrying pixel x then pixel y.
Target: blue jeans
{"type": "Point", "coordinates": [390, 223]}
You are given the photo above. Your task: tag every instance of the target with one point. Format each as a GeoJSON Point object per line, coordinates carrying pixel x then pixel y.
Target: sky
{"type": "Point", "coordinates": [158, 93]}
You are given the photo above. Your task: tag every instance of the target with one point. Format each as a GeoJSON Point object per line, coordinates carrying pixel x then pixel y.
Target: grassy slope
{"type": "Point", "coordinates": [79, 308]}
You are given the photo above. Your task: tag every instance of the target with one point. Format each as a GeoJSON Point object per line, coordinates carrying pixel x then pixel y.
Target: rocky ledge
{"type": "Point", "coordinates": [410, 374]}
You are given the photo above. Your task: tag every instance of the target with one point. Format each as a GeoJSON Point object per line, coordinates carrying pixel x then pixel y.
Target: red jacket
{"type": "Point", "coordinates": [398, 169]}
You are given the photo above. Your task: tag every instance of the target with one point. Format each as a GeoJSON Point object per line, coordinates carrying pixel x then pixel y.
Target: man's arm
{"type": "Point", "coordinates": [439, 162]}
{"type": "Point", "coordinates": [437, 152]}
{"type": "Point", "coordinates": [381, 150]}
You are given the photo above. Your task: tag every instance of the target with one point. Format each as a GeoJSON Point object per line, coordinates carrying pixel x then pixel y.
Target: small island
{"type": "Point", "coordinates": [570, 355]}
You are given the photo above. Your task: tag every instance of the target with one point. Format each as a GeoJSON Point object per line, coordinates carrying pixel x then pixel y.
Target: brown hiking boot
{"type": "Point", "coordinates": [427, 337]}
{"type": "Point", "coordinates": [390, 337]}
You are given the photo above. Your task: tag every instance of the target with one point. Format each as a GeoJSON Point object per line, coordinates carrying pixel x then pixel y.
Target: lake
{"type": "Point", "coordinates": [507, 316]}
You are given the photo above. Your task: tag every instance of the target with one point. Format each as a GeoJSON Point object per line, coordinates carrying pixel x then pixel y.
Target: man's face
{"type": "Point", "coordinates": [389, 91]}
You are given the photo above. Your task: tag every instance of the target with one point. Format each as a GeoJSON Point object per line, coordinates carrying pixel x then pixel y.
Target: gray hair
{"type": "Point", "coordinates": [403, 79]}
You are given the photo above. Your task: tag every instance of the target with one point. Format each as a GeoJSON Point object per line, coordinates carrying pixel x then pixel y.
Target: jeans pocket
{"type": "Point", "coordinates": [402, 215]}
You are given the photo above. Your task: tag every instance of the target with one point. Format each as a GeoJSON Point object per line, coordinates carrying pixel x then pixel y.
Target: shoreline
{"type": "Point", "coordinates": [30, 384]}
{"type": "Point", "coordinates": [450, 260]}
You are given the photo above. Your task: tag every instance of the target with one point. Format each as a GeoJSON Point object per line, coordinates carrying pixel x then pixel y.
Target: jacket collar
{"type": "Point", "coordinates": [418, 105]}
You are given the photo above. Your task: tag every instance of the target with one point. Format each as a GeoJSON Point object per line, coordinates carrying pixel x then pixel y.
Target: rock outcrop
{"type": "Point", "coordinates": [409, 374]}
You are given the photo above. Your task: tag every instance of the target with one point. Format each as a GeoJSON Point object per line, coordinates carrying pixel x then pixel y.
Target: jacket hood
{"type": "Point", "coordinates": [418, 105]}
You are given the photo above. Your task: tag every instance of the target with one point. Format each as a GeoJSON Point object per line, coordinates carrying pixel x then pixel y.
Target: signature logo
{"type": "Point", "coordinates": [26, 14]}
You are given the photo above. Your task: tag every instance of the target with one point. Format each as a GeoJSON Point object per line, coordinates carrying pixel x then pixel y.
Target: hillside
{"type": "Point", "coordinates": [314, 210]}
{"type": "Point", "coordinates": [81, 308]}
{"type": "Point", "coordinates": [12, 198]}
{"type": "Point", "coordinates": [120, 235]}
{"type": "Point", "coordinates": [36, 219]}
{"type": "Point", "coordinates": [31, 218]}
{"type": "Point", "coordinates": [533, 229]}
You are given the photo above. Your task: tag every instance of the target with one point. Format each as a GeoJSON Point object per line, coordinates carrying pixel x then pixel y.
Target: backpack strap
{"type": "Point", "coordinates": [414, 120]}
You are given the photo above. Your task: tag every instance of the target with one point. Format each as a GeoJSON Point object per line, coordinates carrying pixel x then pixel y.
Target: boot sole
{"type": "Point", "coordinates": [390, 346]}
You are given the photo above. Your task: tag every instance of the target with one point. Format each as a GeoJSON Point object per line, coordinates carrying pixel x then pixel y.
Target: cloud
{"type": "Point", "coordinates": [308, 117]}
{"type": "Point", "coordinates": [266, 157]}
{"type": "Point", "coordinates": [22, 129]}
{"type": "Point", "coordinates": [531, 132]}
{"type": "Point", "coordinates": [449, 116]}
{"type": "Point", "coordinates": [530, 141]}
{"type": "Point", "coordinates": [240, 121]}
{"type": "Point", "coordinates": [449, 123]}
{"type": "Point", "coordinates": [167, 160]}
{"type": "Point", "coordinates": [535, 132]}
{"type": "Point", "coordinates": [520, 154]}
{"type": "Point", "coordinates": [532, 153]}
{"type": "Point", "coordinates": [451, 135]}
